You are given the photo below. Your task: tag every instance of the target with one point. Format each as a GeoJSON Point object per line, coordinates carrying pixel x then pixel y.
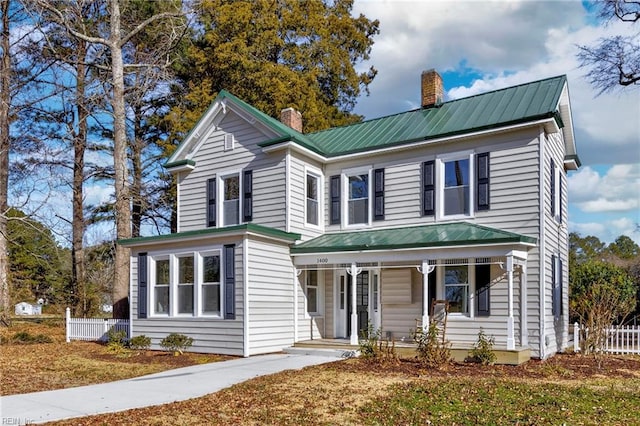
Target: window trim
{"type": "Point", "coordinates": [221, 223]}
{"type": "Point", "coordinates": [198, 253]}
{"type": "Point", "coordinates": [471, 278]}
{"type": "Point", "coordinates": [151, 310]}
{"type": "Point", "coordinates": [199, 289]}
{"type": "Point", "coordinates": [317, 174]}
{"type": "Point", "coordinates": [344, 176]}
{"type": "Point", "coordinates": [440, 184]}
{"type": "Point", "coordinates": [319, 312]}
{"type": "Point", "coordinates": [178, 284]}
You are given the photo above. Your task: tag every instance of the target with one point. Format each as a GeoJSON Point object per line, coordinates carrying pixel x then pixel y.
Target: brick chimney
{"type": "Point", "coordinates": [292, 118]}
{"type": "Point", "coordinates": [432, 88]}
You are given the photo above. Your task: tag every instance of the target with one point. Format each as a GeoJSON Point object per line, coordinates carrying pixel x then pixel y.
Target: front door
{"type": "Point", "coordinates": [362, 303]}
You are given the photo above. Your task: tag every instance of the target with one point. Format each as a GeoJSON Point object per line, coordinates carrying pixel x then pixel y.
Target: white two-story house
{"type": "Point", "coordinates": [285, 236]}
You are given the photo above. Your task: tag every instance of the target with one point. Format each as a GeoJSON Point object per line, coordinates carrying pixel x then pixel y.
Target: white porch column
{"type": "Point", "coordinates": [510, 332]}
{"type": "Point", "coordinates": [425, 269]}
{"type": "Point", "coordinates": [524, 330]}
{"type": "Point", "coordinates": [354, 271]}
{"type": "Point", "coordinates": [296, 314]}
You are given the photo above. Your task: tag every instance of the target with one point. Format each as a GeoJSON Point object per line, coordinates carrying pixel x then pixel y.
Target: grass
{"type": "Point", "coordinates": [360, 392]}
{"type": "Point", "coordinates": [42, 366]}
{"type": "Point", "coordinates": [566, 389]}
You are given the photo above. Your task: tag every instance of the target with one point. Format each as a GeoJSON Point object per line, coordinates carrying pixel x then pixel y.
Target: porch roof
{"type": "Point", "coordinates": [437, 235]}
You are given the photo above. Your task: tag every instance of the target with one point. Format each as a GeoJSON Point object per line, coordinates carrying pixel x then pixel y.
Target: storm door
{"type": "Point", "coordinates": [362, 302]}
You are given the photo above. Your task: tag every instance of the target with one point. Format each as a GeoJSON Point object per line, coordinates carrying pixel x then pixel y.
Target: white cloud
{"type": "Point", "coordinates": [617, 191]}
{"type": "Point", "coordinates": [607, 231]}
{"type": "Point", "coordinates": [507, 43]}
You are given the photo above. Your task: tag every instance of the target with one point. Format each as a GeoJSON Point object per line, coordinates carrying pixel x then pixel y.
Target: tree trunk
{"type": "Point", "coordinates": [77, 225]}
{"type": "Point", "coordinates": [123, 209]}
{"type": "Point", "coordinates": [136, 168]}
{"type": "Point", "coordinates": [5, 100]}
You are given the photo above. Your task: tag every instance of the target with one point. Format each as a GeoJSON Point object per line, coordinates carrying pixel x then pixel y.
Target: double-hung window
{"type": "Point", "coordinates": [358, 198]}
{"type": "Point", "coordinates": [456, 189]}
{"type": "Point", "coordinates": [193, 283]}
{"type": "Point", "coordinates": [210, 290]}
{"type": "Point", "coordinates": [456, 288]}
{"type": "Point", "coordinates": [161, 286]}
{"type": "Point", "coordinates": [454, 186]}
{"type": "Point", "coordinates": [186, 280]}
{"type": "Point", "coordinates": [312, 190]}
{"type": "Point", "coordinates": [313, 293]}
{"type": "Point", "coordinates": [231, 200]}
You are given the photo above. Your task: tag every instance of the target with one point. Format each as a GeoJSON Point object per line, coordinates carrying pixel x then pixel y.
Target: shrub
{"type": "Point", "coordinates": [373, 347]}
{"type": "Point", "coordinates": [24, 338]}
{"type": "Point", "coordinates": [433, 350]}
{"type": "Point", "coordinates": [140, 343]}
{"type": "Point", "coordinates": [482, 352]}
{"type": "Point", "coordinates": [176, 343]}
{"type": "Point", "coordinates": [369, 342]}
{"type": "Point", "coordinates": [116, 337]}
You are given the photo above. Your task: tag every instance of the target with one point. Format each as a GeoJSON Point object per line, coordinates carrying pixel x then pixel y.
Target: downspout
{"type": "Point", "coordinates": [541, 259]}
{"type": "Point", "coordinates": [245, 298]}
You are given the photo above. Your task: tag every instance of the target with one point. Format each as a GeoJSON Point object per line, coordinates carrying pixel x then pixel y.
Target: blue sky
{"type": "Point", "coordinates": [479, 46]}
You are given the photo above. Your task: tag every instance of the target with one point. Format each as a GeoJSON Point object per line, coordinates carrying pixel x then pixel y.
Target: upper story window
{"type": "Point", "coordinates": [358, 201]}
{"type": "Point", "coordinates": [457, 192]}
{"type": "Point", "coordinates": [356, 197]}
{"type": "Point", "coordinates": [455, 186]}
{"type": "Point", "coordinates": [230, 199]}
{"type": "Point", "coordinates": [313, 199]}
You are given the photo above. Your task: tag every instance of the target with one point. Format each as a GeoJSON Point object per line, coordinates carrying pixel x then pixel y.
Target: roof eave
{"type": "Point", "coordinates": [547, 120]}
{"type": "Point", "coordinates": [290, 143]}
{"type": "Point", "coordinates": [180, 166]}
{"type": "Point", "coordinates": [208, 233]}
{"type": "Point", "coordinates": [404, 247]}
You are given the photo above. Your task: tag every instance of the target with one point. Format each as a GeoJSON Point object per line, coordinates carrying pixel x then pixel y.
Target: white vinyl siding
{"type": "Point", "coordinates": [212, 160]}
{"type": "Point", "coordinates": [210, 335]}
{"type": "Point", "coordinates": [270, 297]}
{"type": "Point", "coordinates": [298, 167]}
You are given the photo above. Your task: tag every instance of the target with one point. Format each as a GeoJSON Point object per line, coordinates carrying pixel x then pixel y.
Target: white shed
{"type": "Point", "coordinates": [24, 308]}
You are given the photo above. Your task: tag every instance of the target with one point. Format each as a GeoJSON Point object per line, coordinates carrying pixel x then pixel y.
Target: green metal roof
{"type": "Point", "coordinates": [246, 227]}
{"type": "Point", "coordinates": [437, 235]}
{"type": "Point", "coordinates": [509, 106]}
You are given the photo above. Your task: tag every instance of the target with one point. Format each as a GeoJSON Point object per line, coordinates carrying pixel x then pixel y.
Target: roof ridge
{"type": "Point", "coordinates": [439, 106]}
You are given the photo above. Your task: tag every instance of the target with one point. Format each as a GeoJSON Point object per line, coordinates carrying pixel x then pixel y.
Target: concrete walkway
{"type": "Point", "coordinates": [155, 389]}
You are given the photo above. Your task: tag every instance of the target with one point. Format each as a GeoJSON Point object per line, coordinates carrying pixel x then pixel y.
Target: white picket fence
{"type": "Point", "coordinates": [622, 339]}
{"type": "Point", "coordinates": [93, 328]}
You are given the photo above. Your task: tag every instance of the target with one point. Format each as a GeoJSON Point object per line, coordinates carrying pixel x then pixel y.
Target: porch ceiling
{"type": "Point", "coordinates": [438, 235]}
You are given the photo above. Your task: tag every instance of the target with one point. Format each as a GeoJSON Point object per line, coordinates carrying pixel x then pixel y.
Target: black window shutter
{"type": "Point", "coordinates": [428, 188]}
{"type": "Point", "coordinates": [230, 282]}
{"type": "Point", "coordinates": [560, 199]}
{"type": "Point", "coordinates": [554, 287]}
{"type": "Point", "coordinates": [334, 190]}
{"type": "Point", "coordinates": [483, 279]}
{"type": "Point", "coordinates": [560, 303]}
{"type": "Point", "coordinates": [482, 182]}
{"type": "Point", "coordinates": [142, 285]}
{"type": "Point", "coordinates": [211, 202]}
{"type": "Point", "coordinates": [553, 188]}
{"type": "Point", "coordinates": [247, 183]}
{"type": "Point", "coordinates": [378, 185]}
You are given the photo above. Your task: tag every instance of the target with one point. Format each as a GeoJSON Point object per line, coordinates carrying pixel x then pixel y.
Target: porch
{"type": "Point", "coordinates": [407, 350]}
